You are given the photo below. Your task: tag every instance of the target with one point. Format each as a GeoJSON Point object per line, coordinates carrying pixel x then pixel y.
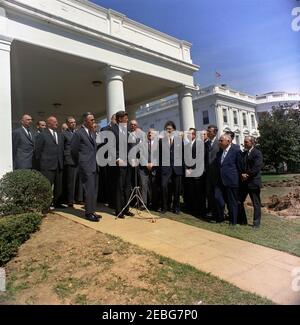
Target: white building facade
{"type": "Point", "coordinates": [265, 102]}
{"type": "Point", "coordinates": [220, 105]}
{"type": "Point", "coordinates": [65, 57]}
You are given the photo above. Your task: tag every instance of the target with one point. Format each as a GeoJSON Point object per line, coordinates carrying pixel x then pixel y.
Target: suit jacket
{"type": "Point", "coordinates": [84, 150]}
{"type": "Point", "coordinates": [211, 160]}
{"type": "Point", "coordinates": [168, 170]}
{"type": "Point", "coordinates": [229, 170]}
{"type": "Point", "coordinates": [253, 164]}
{"type": "Point", "coordinates": [146, 153]}
{"type": "Point", "coordinates": [49, 155]}
{"type": "Point", "coordinates": [116, 147]}
{"type": "Point", "coordinates": [23, 147]}
{"type": "Point", "coordinates": [67, 137]}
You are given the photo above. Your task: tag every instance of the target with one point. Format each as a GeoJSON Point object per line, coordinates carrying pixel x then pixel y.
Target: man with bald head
{"type": "Point", "coordinates": [49, 152]}
{"type": "Point", "coordinates": [23, 144]}
{"type": "Point", "coordinates": [229, 164]}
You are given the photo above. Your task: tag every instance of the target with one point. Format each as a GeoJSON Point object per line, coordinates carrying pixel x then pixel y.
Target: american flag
{"type": "Point", "coordinates": [218, 75]}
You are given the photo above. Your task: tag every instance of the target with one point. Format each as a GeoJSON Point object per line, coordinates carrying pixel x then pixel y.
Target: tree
{"type": "Point", "coordinates": [280, 136]}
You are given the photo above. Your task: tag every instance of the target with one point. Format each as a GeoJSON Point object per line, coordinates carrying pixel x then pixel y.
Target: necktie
{"type": "Point", "coordinates": [91, 136]}
{"type": "Point", "coordinates": [29, 134]}
{"type": "Point", "coordinates": [55, 137]}
{"type": "Point", "coordinates": [223, 156]}
{"type": "Point", "coordinates": [149, 151]}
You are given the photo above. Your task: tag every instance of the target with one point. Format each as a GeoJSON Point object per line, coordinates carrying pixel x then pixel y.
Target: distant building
{"type": "Point", "coordinates": [220, 105]}
{"type": "Point", "coordinates": [283, 99]}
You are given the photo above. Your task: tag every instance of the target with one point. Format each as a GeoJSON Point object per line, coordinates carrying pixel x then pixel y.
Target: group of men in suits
{"type": "Point", "coordinates": [67, 157]}
{"type": "Point", "coordinates": [231, 176]}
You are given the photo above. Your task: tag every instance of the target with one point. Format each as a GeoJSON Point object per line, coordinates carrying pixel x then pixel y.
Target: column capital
{"type": "Point", "coordinates": [114, 73]}
{"type": "Point", "coordinates": [5, 43]}
{"type": "Point", "coordinates": [185, 90]}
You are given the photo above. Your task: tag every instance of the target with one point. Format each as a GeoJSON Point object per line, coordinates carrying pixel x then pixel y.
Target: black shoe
{"type": "Point", "coordinates": [97, 215]}
{"type": "Point", "coordinates": [142, 208]}
{"type": "Point", "coordinates": [163, 211]}
{"type": "Point", "coordinates": [220, 221]}
{"type": "Point", "coordinates": [129, 214]}
{"type": "Point", "coordinates": [70, 205]}
{"type": "Point", "coordinates": [176, 211]}
{"type": "Point", "coordinates": [92, 217]}
{"type": "Point", "coordinates": [60, 206]}
{"type": "Point", "coordinates": [255, 226]}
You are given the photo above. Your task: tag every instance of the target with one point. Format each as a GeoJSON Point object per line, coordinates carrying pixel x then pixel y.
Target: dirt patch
{"type": "Point", "coordinates": [293, 182]}
{"type": "Point", "coordinates": [288, 205]}
{"type": "Point", "coordinates": [67, 263]}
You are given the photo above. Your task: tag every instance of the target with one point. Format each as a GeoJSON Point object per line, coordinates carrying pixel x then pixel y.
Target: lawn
{"type": "Point", "coordinates": [276, 178]}
{"type": "Point", "coordinates": [67, 263]}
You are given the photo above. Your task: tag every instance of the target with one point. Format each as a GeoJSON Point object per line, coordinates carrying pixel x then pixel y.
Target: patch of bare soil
{"type": "Point", "coordinates": [293, 182]}
{"type": "Point", "coordinates": [66, 263]}
{"type": "Point", "coordinates": [287, 206]}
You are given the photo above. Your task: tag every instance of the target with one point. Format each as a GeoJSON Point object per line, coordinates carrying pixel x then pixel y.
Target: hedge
{"type": "Point", "coordinates": [24, 191]}
{"type": "Point", "coordinates": [15, 230]}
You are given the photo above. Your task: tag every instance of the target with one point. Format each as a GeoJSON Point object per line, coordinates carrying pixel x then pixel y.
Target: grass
{"type": "Point", "coordinates": [275, 232]}
{"type": "Point", "coordinates": [276, 178]}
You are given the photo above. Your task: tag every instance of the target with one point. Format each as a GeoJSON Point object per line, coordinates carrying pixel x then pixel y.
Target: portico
{"type": "Point", "coordinates": [64, 57]}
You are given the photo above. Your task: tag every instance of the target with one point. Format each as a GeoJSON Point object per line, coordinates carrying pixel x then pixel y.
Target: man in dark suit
{"type": "Point", "coordinates": [23, 144]}
{"type": "Point", "coordinates": [194, 186]}
{"type": "Point", "coordinates": [149, 171]}
{"type": "Point", "coordinates": [70, 170]}
{"type": "Point", "coordinates": [83, 151]}
{"type": "Point", "coordinates": [212, 148]}
{"type": "Point", "coordinates": [226, 191]}
{"type": "Point", "coordinates": [49, 151]}
{"type": "Point", "coordinates": [251, 181]}
{"type": "Point", "coordinates": [171, 147]}
{"type": "Point", "coordinates": [123, 170]}
{"type": "Point", "coordinates": [107, 174]}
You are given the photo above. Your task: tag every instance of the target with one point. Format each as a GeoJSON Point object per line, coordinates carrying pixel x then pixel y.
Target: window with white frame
{"type": "Point", "coordinates": [237, 139]}
{"type": "Point", "coordinates": [225, 116]}
{"type": "Point", "coordinates": [244, 119]}
{"type": "Point", "coordinates": [235, 118]}
{"type": "Point", "coordinates": [205, 117]}
{"type": "Point", "coordinates": [252, 121]}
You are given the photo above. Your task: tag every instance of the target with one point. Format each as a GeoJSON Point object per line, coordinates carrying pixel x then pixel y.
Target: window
{"type": "Point", "coordinates": [237, 139]}
{"type": "Point", "coordinates": [205, 117]}
{"type": "Point", "coordinates": [235, 118]}
{"type": "Point", "coordinates": [244, 119]}
{"type": "Point", "coordinates": [225, 118]}
{"type": "Point", "coordinates": [252, 121]}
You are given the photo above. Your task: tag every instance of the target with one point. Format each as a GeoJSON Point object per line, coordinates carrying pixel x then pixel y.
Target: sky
{"type": "Point", "coordinates": [251, 43]}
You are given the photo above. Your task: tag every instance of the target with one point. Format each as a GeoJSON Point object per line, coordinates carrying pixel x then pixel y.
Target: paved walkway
{"type": "Point", "coordinates": [251, 267]}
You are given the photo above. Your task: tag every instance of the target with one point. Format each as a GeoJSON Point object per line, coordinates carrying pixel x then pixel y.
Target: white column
{"type": "Point", "coordinates": [5, 106]}
{"type": "Point", "coordinates": [219, 118]}
{"type": "Point", "coordinates": [186, 110]}
{"type": "Point", "coordinates": [115, 100]}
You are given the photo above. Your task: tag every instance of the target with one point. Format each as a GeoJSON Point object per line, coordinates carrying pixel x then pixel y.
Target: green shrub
{"type": "Point", "coordinates": [23, 191]}
{"type": "Point", "coordinates": [15, 230]}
